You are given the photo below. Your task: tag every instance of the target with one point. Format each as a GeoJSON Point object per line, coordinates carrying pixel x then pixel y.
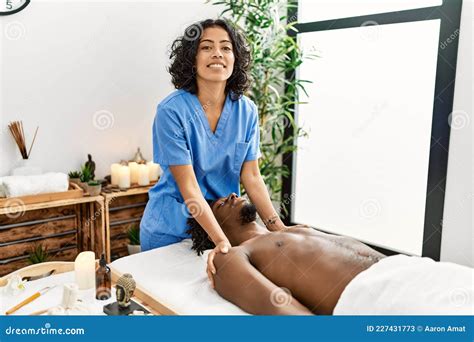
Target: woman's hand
{"type": "Point", "coordinates": [221, 247]}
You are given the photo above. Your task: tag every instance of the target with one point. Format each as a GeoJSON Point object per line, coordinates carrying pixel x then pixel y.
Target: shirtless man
{"type": "Point", "coordinates": [297, 271]}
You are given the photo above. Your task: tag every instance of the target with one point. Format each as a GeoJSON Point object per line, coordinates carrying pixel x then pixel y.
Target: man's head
{"type": "Point", "coordinates": [233, 214]}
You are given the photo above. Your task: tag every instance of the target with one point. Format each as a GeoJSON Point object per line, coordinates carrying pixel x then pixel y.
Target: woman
{"type": "Point", "coordinates": [206, 139]}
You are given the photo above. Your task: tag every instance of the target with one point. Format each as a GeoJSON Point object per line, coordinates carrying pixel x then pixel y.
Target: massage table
{"type": "Point", "coordinates": [173, 280]}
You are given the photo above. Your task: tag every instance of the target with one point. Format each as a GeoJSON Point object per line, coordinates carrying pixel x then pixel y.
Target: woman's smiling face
{"type": "Point", "coordinates": [215, 57]}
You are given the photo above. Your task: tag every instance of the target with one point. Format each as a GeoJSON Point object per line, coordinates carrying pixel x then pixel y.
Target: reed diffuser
{"type": "Point", "coordinates": [16, 129]}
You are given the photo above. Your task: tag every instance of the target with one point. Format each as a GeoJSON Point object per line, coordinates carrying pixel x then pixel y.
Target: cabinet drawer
{"type": "Point", "coordinates": [10, 250]}
{"type": "Point", "coordinates": [68, 254]}
{"type": "Point", "coordinates": [37, 228]}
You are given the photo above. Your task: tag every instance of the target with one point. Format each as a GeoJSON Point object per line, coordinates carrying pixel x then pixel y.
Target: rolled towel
{"type": "Point", "coordinates": [2, 191]}
{"type": "Point", "coordinates": [15, 186]}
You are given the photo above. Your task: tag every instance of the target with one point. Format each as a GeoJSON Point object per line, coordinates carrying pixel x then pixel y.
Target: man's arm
{"type": "Point", "coordinates": [238, 281]}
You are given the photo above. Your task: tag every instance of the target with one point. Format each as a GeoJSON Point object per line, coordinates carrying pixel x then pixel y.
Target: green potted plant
{"type": "Point", "coordinates": [133, 234]}
{"type": "Point", "coordinates": [94, 188]}
{"type": "Point", "coordinates": [86, 176]}
{"type": "Point", "coordinates": [75, 177]}
{"type": "Point", "coordinates": [38, 254]}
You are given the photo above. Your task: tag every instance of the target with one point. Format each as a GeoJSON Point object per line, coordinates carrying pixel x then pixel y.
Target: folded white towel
{"type": "Point", "coordinates": [405, 285]}
{"type": "Point", "coordinates": [14, 186]}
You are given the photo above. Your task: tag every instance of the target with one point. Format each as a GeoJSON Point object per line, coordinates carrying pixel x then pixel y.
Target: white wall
{"type": "Point", "coordinates": [457, 243]}
{"type": "Point", "coordinates": [90, 75]}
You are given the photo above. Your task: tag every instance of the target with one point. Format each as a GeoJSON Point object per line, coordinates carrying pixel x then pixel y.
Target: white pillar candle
{"type": "Point", "coordinates": [133, 172]}
{"type": "Point", "coordinates": [124, 177]}
{"type": "Point", "coordinates": [143, 175]}
{"type": "Point", "coordinates": [114, 173]}
{"type": "Point", "coordinates": [153, 171]}
{"type": "Point", "coordinates": [84, 269]}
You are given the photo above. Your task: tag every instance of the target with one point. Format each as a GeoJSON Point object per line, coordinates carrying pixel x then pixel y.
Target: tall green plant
{"type": "Point", "coordinates": [275, 56]}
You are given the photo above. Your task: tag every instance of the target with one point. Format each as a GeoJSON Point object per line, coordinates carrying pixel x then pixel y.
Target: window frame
{"type": "Point", "coordinates": [449, 14]}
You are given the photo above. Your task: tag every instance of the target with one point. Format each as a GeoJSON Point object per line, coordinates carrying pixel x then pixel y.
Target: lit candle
{"type": "Point", "coordinates": [133, 172]}
{"type": "Point", "coordinates": [143, 175]}
{"type": "Point", "coordinates": [114, 173]}
{"type": "Point", "coordinates": [153, 171]}
{"type": "Point", "coordinates": [124, 177]}
{"type": "Point", "coordinates": [84, 269]}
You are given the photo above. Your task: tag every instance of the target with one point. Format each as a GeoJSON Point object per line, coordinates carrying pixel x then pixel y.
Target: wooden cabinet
{"type": "Point", "coordinates": [67, 227]}
{"type": "Point", "coordinates": [122, 209]}
{"type": "Point", "coordinates": [64, 227]}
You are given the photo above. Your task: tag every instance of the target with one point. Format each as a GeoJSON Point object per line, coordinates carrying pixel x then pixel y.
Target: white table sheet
{"type": "Point", "coordinates": [51, 298]}
{"type": "Point", "coordinates": [176, 277]}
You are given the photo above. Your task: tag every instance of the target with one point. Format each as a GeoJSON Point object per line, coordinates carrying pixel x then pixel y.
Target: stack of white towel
{"type": "Point", "coordinates": [14, 186]}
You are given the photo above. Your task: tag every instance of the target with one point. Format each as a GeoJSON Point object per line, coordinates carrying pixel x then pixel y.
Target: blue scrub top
{"type": "Point", "coordinates": [182, 136]}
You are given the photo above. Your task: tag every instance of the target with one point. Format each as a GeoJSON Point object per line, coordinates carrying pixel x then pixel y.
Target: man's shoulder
{"type": "Point", "coordinates": [235, 254]}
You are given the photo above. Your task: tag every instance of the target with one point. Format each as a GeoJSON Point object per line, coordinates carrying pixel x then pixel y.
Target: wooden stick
{"type": "Point", "coordinates": [22, 139]}
{"type": "Point", "coordinates": [34, 137]}
{"type": "Point", "coordinates": [40, 312]}
{"type": "Point", "coordinates": [23, 303]}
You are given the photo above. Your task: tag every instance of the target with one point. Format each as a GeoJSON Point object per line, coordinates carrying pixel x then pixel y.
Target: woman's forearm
{"type": "Point", "coordinates": [197, 205]}
{"type": "Point", "coordinates": [258, 194]}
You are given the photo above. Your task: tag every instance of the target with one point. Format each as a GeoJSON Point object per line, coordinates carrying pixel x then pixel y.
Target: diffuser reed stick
{"type": "Point", "coordinates": [16, 129]}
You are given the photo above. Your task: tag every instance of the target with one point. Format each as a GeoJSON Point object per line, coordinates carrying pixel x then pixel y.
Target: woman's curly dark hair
{"type": "Point", "coordinates": [184, 50]}
{"type": "Point", "coordinates": [201, 241]}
